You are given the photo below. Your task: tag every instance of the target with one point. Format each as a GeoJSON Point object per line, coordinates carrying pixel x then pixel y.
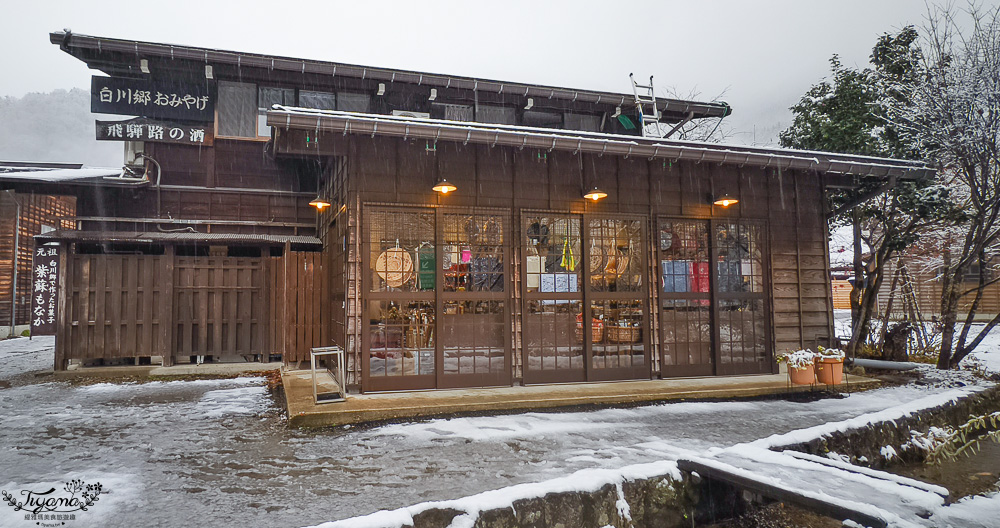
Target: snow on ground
{"type": "Point", "coordinates": [21, 355]}
{"type": "Point", "coordinates": [192, 451]}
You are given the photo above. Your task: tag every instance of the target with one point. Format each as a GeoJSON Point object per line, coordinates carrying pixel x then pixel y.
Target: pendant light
{"type": "Point", "coordinates": [595, 194]}
{"type": "Point", "coordinates": [725, 200]}
{"type": "Point", "coordinates": [443, 186]}
{"type": "Point", "coordinates": [320, 203]}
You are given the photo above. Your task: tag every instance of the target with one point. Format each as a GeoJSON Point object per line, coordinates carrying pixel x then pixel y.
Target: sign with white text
{"type": "Point", "coordinates": [142, 129]}
{"type": "Point", "coordinates": [44, 290]}
{"type": "Point", "coordinates": [153, 98]}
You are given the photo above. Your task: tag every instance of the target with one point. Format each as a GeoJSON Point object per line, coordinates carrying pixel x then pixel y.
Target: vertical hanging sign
{"type": "Point", "coordinates": [45, 273]}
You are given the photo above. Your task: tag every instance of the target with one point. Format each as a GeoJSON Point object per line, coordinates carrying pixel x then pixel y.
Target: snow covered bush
{"type": "Point", "coordinates": [947, 443]}
{"type": "Point", "coordinates": [830, 353]}
{"type": "Point", "coordinates": [798, 360]}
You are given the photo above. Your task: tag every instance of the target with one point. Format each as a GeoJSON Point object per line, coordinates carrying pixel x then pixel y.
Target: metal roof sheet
{"type": "Point", "coordinates": [97, 176]}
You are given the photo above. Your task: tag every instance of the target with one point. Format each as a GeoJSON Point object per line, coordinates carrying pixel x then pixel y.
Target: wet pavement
{"type": "Point", "coordinates": [184, 453]}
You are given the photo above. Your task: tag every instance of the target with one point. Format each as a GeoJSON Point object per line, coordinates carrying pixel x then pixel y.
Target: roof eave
{"type": "Point", "coordinates": [651, 148]}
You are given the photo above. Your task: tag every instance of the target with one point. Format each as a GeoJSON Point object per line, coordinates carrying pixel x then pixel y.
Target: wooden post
{"type": "Point", "coordinates": [287, 300]}
{"type": "Point", "coordinates": [62, 324]}
{"type": "Point", "coordinates": [167, 306]}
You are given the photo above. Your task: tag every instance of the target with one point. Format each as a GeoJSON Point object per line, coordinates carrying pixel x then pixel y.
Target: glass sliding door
{"type": "Point", "coordinates": [615, 259]}
{"type": "Point", "coordinates": [401, 309]}
{"type": "Point", "coordinates": [685, 298]}
{"type": "Point", "coordinates": [553, 331]}
{"type": "Point", "coordinates": [474, 319]}
{"type": "Point", "coordinates": [741, 312]}
{"type": "Point", "coordinates": [714, 315]}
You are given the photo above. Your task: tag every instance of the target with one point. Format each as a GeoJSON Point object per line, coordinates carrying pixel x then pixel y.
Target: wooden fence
{"type": "Point", "coordinates": [128, 306]}
{"type": "Point", "coordinates": [300, 295]}
{"type": "Point", "coordinates": [113, 306]}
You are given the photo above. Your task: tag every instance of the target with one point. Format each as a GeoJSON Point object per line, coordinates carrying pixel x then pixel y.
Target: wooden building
{"type": "Point", "coordinates": [22, 216]}
{"type": "Point", "coordinates": [458, 249]}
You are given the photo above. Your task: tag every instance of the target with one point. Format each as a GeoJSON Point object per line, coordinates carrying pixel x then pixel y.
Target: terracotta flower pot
{"type": "Point", "coordinates": [802, 376]}
{"type": "Point", "coordinates": [830, 370]}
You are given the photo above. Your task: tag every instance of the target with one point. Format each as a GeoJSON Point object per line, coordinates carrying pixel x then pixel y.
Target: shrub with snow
{"type": "Point", "coordinates": [831, 353]}
{"type": "Point", "coordinates": [798, 360]}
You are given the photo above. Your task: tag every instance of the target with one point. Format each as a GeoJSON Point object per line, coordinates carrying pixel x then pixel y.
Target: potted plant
{"type": "Point", "coordinates": [830, 365]}
{"type": "Point", "coordinates": [801, 366]}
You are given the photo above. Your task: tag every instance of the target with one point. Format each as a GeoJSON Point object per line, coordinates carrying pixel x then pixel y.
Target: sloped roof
{"type": "Point", "coordinates": [122, 57]}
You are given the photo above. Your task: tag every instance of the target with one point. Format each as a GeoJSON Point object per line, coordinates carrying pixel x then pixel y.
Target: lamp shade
{"type": "Point", "coordinates": [595, 194]}
{"type": "Point", "coordinates": [320, 203]}
{"type": "Point", "coordinates": [443, 186]}
{"type": "Point", "coordinates": [725, 200]}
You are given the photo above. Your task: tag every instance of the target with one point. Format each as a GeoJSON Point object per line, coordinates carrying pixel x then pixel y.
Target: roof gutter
{"type": "Point", "coordinates": [591, 143]}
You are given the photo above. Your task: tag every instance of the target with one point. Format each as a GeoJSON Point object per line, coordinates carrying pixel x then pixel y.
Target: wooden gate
{"type": "Point", "coordinates": [127, 306]}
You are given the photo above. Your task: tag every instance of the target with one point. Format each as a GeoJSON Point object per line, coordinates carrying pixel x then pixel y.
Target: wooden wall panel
{"type": "Point", "coordinates": [114, 307]}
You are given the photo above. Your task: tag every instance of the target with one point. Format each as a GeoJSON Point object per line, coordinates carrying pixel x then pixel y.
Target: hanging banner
{"type": "Point", "coordinates": [44, 290]}
{"type": "Point", "coordinates": [152, 98]}
{"type": "Point", "coordinates": [142, 129]}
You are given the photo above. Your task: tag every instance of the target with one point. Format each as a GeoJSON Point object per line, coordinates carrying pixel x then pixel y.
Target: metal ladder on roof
{"type": "Point", "coordinates": [646, 104]}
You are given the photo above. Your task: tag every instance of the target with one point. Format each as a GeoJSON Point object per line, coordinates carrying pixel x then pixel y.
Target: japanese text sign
{"type": "Point", "coordinates": [152, 98]}
{"type": "Point", "coordinates": [141, 129]}
{"type": "Point", "coordinates": [44, 290]}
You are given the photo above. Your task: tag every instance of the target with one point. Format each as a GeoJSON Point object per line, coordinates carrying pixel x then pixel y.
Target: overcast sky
{"type": "Point", "coordinates": [761, 55]}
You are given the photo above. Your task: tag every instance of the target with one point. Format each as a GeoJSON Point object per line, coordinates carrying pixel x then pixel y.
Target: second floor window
{"type": "Point", "coordinates": [267, 96]}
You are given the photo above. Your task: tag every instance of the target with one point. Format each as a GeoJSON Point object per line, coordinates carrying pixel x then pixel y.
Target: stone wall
{"type": "Point", "coordinates": [867, 442]}
{"type": "Point", "coordinates": [658, 502]}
